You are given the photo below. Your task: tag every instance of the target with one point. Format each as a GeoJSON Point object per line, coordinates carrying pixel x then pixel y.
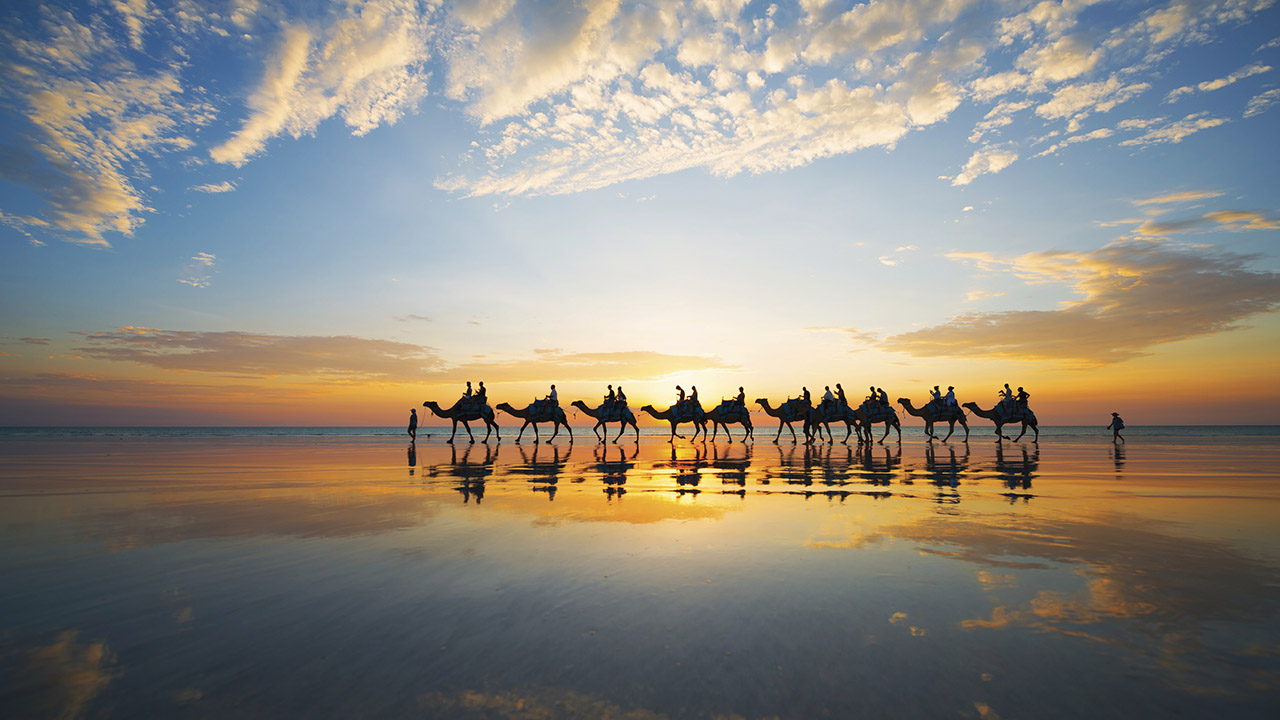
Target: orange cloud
{"type": "Point", "coordinates": [1133, 296]}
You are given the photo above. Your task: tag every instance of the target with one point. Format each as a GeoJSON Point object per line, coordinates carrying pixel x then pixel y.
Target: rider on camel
{"type": "Point", "coordinates": [622, 397]}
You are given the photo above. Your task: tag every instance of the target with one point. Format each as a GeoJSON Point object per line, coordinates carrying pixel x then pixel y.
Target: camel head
{"type": "Point", "coordinates": [649, 409]}
{"type": "Point", "coordinates": [970, 405]}
{"type": "Point", "coordinates": [904, 401]}
{"type": "Point", "coordinates": [504, 407]}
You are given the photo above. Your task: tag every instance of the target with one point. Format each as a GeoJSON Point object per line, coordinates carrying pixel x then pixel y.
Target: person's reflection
{"type": "Point", "coordinates": [1117, 456]}
{"type": "Point", "coordinates": [1017, 474]}
{"type": "Point", "coordinates": [413, 458]}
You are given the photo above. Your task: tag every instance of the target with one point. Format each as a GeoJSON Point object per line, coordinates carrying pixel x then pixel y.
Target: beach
{"type": "Point", "coordinates": [214, 573]}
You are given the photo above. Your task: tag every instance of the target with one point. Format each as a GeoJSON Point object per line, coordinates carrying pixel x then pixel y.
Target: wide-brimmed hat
{"type": "Point", "coordinates": [1115, 413]}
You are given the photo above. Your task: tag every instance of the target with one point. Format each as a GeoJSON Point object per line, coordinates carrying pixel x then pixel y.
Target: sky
{"type": "Point", "coordinates": [310, 213]}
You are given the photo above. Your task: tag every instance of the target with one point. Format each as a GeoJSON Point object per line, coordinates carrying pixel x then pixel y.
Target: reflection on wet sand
{"type": "Point", "coordinates": [694, 580]}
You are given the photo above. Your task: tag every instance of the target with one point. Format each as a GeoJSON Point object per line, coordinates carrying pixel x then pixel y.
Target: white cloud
{"type": "Point", "coordinates": [986, 160]}
{"type": "Point", "coordinates": [1179, 197]}
{"type": "Point", "coordinates": [365, 66]}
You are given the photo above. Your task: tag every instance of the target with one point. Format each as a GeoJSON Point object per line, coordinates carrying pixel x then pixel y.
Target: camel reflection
{"type": "Point", "coordinates": [1017, 473]}
{"type": "Point", "coordinates": [687, 464]}
{"type": "Point", "coordinates": [544, 472]}
{"type": "Point", "coordinates": [733, 465]}
{"type": "Point", "coordinates": [879, 466]}
{"type": "Point", "coordinates": [471, 473]}
{"type": "Point", "coordinates": [614, 472]}
{"type": "Point", "coordinates": [945, 473]}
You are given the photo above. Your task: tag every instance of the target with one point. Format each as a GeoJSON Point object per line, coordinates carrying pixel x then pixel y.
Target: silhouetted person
{"type": "Point", "coordinates": [622, 397]}
{"type": "Point", "coordinates": [679, 394]}
{"type": "Point", "coordinates": [840, 398]}
{"type": "Point", "coordinates": [467, 394]}
{"type": "Point", "coordinates": [741, 399]}
{"type": "Point", "coordinates": [1021, 398]}
{"type": "Point", "coordinates": [693, 394]}
{"type": "Point", "coordinates": [805, 394]}
{"type": "Point", "coordinates": [413, 457]}
{"type": "Point", "coordinates": [1117, 424]}
{"type": "Point", "coordinates": [950, 397]}
{"type": "Point", "coordinates": [936, 394]}
{"type": "Point", "coordinates": [884, 398]}
{"type": "Point", "coordinates": [1006, 395]}
{"type": "Point", "coordinates": [610, 396]}
{"type": "Point", "coordinates": [552, 396]}
{"type": "Point", "coordinates": [482, 395]}
{"type": "Point", "coordinates": [413, 423]}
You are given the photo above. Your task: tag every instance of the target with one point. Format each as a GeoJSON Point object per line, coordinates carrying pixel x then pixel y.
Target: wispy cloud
{"type": "Point", "coordinates": [200, 272]}
{"type": "Point", "coordinates": [1179, 197]}
{"type": "Point", "coordinates": [1262, 102]}
{"type": "Point", "coordinates": [222, 187]}
{"type": "Point", "coordinates": [256, 355]}
{"type": "Point", "coordinates": [1131, 297]}
{"type": "Point", "coordinates": [1218, 84]}
{"type": "Point", "coordinates": [1177, 131]}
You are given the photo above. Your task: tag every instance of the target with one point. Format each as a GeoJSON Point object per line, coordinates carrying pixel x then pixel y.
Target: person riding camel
{"type": "Point", "coordinates": [950, 398]}
{"type": "Point", "coordinates": [1021, 399]}
{"type": "Point", "coordinates": [828, 399]}
{"type": "Point", "coordinates": [840, 398]}
{"type": "Point", "coordinates": [804, 393]}
{"type": "Point", "coordinates": [693, 394]}
{"type": "Point", "coordinates": [482, 395]}
{"type": "Point", "coordinates": [552, 397]}
{"type": "Point", "coordinates": [610, 396]}
{"type": "Point", "coordinates": [884, 398]}
{"type": "Point", "coordinates": [466, 396]}
{"type": "Point", "coordinates": [622, 397]}
{"type": "Point", "coordinates": [936, 395]}
{"type": "Point", "coordinates": [741, 398]}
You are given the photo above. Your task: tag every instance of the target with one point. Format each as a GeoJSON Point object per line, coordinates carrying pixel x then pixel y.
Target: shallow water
{"type": "Point", "coordinates": [335, 576]}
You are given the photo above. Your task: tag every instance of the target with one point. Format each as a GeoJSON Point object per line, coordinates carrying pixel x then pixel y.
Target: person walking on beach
{"type": "Point", "coordinates": [413, 424]}
{"type": "Point", "coordinates": [1117, 424]}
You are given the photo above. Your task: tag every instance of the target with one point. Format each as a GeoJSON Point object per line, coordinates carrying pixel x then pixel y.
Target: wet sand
{"type": "Point", "coordinates": [333, 578]}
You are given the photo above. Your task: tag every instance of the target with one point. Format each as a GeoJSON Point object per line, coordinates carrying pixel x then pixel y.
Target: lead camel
{"type": "Point", "coordinates": [1028, 420]}
{"type": "Point", "coordinates": [469, 413]}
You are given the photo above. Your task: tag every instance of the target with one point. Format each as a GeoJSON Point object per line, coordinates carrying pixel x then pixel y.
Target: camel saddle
{"type": "Point", "coordinates": [613, 411]}
{"type": "Point", "coordinates": [942, 411]}
{"type": "Point", "coordinates": [731, 411]}
{"type": "Point", "coordinates": [687, 411]}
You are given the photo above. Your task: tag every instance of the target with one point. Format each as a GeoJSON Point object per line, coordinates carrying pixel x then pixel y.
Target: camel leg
{"type": "Point", "coordinates": [965, 425]}
{"type": "Point", "coordinates": [951, 428]}
{"type": "Point", "coordinates": [775, 439]}
{"type": "Point", "coordinates": [885, 435]}
{"type": "Point", "coordinates": [455, 432]}
{"type": "Point", "coordinates": [634, 426]}
{"type": "Point", "coordinates": [467, 427]}
{"type": "Point", "coordinates": [1037, 430]}
{"type": "Point", "coordinates": [793, 433]}
{"type": "Point", "coordinates": [522, 427]}
{"type": "Point", "coordinates": [487, 429]}
{"type": "Point", "coordinates": [898, 428]}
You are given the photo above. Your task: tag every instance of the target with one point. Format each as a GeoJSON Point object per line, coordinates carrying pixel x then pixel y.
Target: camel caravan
{"type": "Point", "coordinates": [815, 419]}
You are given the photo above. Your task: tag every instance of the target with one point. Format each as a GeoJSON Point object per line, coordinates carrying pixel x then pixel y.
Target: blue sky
{"type": "Point", "coordinates": [396, 196]}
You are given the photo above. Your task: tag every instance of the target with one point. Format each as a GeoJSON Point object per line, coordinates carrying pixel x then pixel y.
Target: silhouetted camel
{"type": "Point", "coordinates": [1028, 419]}
{"type": "Point", "coordinates": [890, 421]}
{"type": "Point", "coordinates": [726, 414]}
{"type": "Point", "coordinates": [628, 418]}
{"type": "Point", "coordinates": [926, 412]}
{"type": "Point", "coordinates": [788, 412]}
{"type": "Point", "coordinates": [822, 416]}
{"type": "Point", "coordinates": [552, 414]}
{"type": "Point", "coordinates": [465, 415]}
{"type": "Point", "coordinates": [699, 425]}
